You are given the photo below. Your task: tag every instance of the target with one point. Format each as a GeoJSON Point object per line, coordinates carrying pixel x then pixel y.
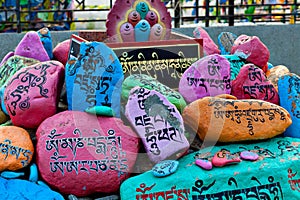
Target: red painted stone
{"type": "Point", "coordinates": [252, 49]}
{"type": "Point", "coordinates": [81, 154]}
{"type": "Point", "coordinates": [223, 158]}
{"type": "Point", "coordinates": [61, 51]}
{"type": "Point", "coordinates": [33, 92]}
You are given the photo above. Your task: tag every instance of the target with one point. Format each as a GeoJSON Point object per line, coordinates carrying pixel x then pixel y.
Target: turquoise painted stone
{"type": "Point", "coordinates": [289, 95]}
{"type": "Point", "coordinates": [236, 63]}
{"type": "Point", "coordinates": [142, 8]}
{"type": "Point", "coordinates": [46, 39]}
{"type": "Point", "coordinates": [275, 175]}
{"type": "Point", "coordinates": [94, 79]}
{"type": "Point", "coordinates": [226, 40]}
{"type": "Point", "coordinates": [142, 31]}
{"type": "Point", "coordinates": [165, 168]}
{"type": "Point", "coordinates": [270, 66]}
{"type": "Point", "coordinates": [148, 82]}
{"type": "Point", "coordinates": [101, 111]}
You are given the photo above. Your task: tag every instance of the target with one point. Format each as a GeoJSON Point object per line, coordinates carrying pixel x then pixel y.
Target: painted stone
{"type": "Point", "coordinates": [289, 95]}
{"type": "Point", "coordinates": [148, 82]}
{"type": "Point", "coordinates": [204, 164]}
{"type": "Point", "coordinates": [61, 51]}
{"type": "Point", "coordinates": [151, 17]}
{"type": "Point", "coordinates": [81, 154]}
{"type": "Point", "coordinates": [156, 32]}
{"type": "Point", "coordinates": [6, 57]}
{"type": "Point", "coordinates": [223, 158]}
{"type": "Point", "coordinates": [230, 120]}
{"type": "Point", "coordinates": [252, 49]}
{"type": "Point", "coordinates": [165, 168]}
{"type": "Point", "coordinates": [249, 155]}
{"type": "Point", "coordinates": [209, 46]}
{"type": "Point", "coordinates": [31, 47]}
{"type": "Point", "coordinates": [9, 68]}
{"type": "Point", "coordinates": [236, 63]}
{"type": "Point", "coordinates": [16, 148]}
{"type": "Point", "coordinates": [273, 176]}
{"type": "Point", "coordinates": [209, 76]}
{"type": "Point", "coordinates": [46, 40]}
{"type": "Point", "coordinates": [142, 31]}
{"type": "Point", "coordinates": [158, 123]}
{"type": "Point", "coordinates": [226, 40]}
{"type": "Point", "coordinates": [31, 90]}
{"type": "Point", "coordinates": [142, 8]}
{"type": "Point", "coordinates": [22, 189]}
{"type": "Point", "coordinates": [3, 117]}
{"type": "Point", "coordinates": [252, 83]}
{"type": "Point", "coordinates": [95, 79]}
{"type": "Point", "coordinates": [275, 73]}
{"type": "Point", "coordinates": [101, 111]}
{"type": "Point", "coordinates": [270, 66]}
{"type": "Point", "coordinates": [127, 32]}
{"type": "Point", "coordinates": [134, 17]}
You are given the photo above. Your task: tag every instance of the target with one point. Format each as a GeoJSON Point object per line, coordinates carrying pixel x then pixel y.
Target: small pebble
{"type": "Point", "coordinates": [248, 155]}
{"type": "Point", "coordinates": [165, 168]}
{"type": "Point", "coordinates": [204, 164]}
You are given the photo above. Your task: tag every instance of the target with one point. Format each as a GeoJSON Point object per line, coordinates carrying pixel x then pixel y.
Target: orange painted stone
{"type": "Point", "coordinates": [16, 148]}
{"type": "Point", "coordinates": [275, 73]}
{"type": "Point", "coordinates": [229, 120]}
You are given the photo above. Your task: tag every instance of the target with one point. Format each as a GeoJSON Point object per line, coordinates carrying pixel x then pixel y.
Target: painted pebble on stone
{"type": "Point", "coordinates": [253, 50]}
{"type": "Point", "coordinates": [226, 40]}
{"type": "Point", "coordinates": [205, 164]}
{"type": "Point", "coordinates": [34, 91]}
{"type": "Point", "coordinates": [252, 83]}
{"type": "Point", "coordinates": [165, 168]}
{"type": "Point", "coordinates": [81, 154]}
{"type": "Point", "coordinates": [223, 158]}
{"type": "Point", "coordinates": [248, 155]}
{"type": "Point", "coordinates": [209, 46]}
{"type": "Point", "coordinates": [231, 120]}
{"type": "Point", "coordinates": [16, 148]}
{"type": "Point", "coordinates": [95, 79]}
{"type": "Point", "coordinates": [289, 95]}
{"type": "Point", "coordinates": [236, 63]}
{"type": "Point", "coordinates": [209, 76]}
{"type": "Point", "coordinates": [150, 83]}
{"type": "Point", "coordinates": [275, 73]}
{"type": "Point", "coordinates": [158, 123]}
{"type": "Point", "coordinates": [31, 47]}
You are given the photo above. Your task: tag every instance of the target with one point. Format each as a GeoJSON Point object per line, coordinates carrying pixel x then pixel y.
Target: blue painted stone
{"type": "Point", "coordinates": [94, 79]}
{"type": "Point", "coordinates": [46, 40]}
{"type": "Point", "coordinates": [226, 40]}
{"type": "Point", "coordinates": [142, 31]}
{"type": "Point", "coordinates": [289, 96]}
{"type": "Point", "coordinates": [236, 63]}
{"type": "Point", "coordinates": [22, 190]}
{"type": "Point", "coordinates": [165, 168]}
{"type": "Point", "coordinates": [270, 65]}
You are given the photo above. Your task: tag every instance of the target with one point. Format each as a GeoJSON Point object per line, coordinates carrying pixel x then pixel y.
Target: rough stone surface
{"type": "Point", "coordinates": [252, 83]}
{"type": "Point", "coordinates": [226, 40]}
{"type": "Point", "coordinates": [209, 47]}
{"type": "Point", "coordinates": [275, 73]}
{"type": "Point", "coordinates": [158, 123]}
{"type": "Point", "coordinates": [16, 148]}
{"type": "Point", "coordinates": [150, 83]}
{"type": "Point", "coordinates": [81, 154]}
{"type": "Point", "coordinates": [61, 51]}
{"type": "Point", "coordinates": [33, 92]}
{"type": "Point", "coordinates": [31, 47]}
{"type": "Point", "coordinates": [209, 76]}
{"type": "Point", "coordinates": [236, 63]}
{"type": "Point", "coordinates": [46, 40]}
{"type": "Point", "coordinates": [273, 176]}
{"type": "Point", "coordinates": [230, 120]}
{"type": "Point", "coordinates": [289, 93]}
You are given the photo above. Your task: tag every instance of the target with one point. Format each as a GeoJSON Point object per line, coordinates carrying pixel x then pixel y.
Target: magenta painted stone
{"type": "Point", "coordinates": [158, 123]}
{"type": "Point", "coordinates": [248, 155]}
{"type": "Point", "coordinates": [223, 158]}
{"type": "Point", "coordinates": [209, 46]}
{"type": "Point", "coordinates": [6, 57]}
{"type": "Point", "coordinates": [252, 49]}
{"type": "Point", "coordinates": [81, 154]}
{"type": "Point", "coordinates": [251, 83]}
{"type": "Point", "coordinates": [204, 164]}
{"type": "Point", "coordinates": [33, 92]}
{"type": "Point", "coordinates": [61, 51]}
{"type": "Point", "coordinates": [209, 76]}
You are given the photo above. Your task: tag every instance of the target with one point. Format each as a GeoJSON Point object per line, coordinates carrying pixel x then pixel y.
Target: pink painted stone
{"type": "Point", "coordinates": [31, 46]}
{"type": "Point", "coordinates": [81, 154]}
{"type": "Point", "coordinates": [248, 155]}
{"type": "Point", "coordinates": [209, 46]}
{"type": "Point", "coordinates": [61, 51]}
{"type": "Point", "coordinates": [251, 83]}
{"type": "Point", "coordinates": [209, 76]}
{"type": "Point", "coordinates": [252, 49]}
{"type": "Point", "coordinates": [33, 92]}
{"type": "Point", "coordinates": [6, 57]}
{"type": "Point", "coordinates": [204, 164]}
{"type": "Point", "coordinates": [158, 123]}
{"type": "Point", "coordinates": [223, 158]}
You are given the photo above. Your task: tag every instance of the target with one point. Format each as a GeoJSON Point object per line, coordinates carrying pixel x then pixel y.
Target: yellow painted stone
{"type": "Point", "coordinates": [16, 148]}
{"type": "Point", "coordinates": [229, 120]}
{"type": "Point", "coordinates": [275, 73]}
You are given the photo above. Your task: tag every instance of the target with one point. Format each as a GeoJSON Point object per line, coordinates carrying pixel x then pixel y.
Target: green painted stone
{"type": "Point", "coordinates": [150, 83]}
{"type": "Point", "coordinates": [236, 63]}
{"type": "Point", "coordinates": [101, 111]}
{"type": "Point", "coordinates": [275, 175]}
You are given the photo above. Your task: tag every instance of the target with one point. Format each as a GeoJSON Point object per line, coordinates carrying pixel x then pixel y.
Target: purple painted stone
{"type": "Point", "coordinates": [204, 164]}
{"type": "Point", "coordinates": [248, 155]}
{"type": "Point", "coordinates": [209, 76]}
{"type": "Point", "coordinates": [223, 158]}
{"type": "Point", "coordinates": [158, 123]}
{"type": "Point", "coordinates": [81, 154]}
{"type": "Point", "coordinates": [252, 83]}
{"type": "Point", "coordinates": [33, 92]}
{"type": "Point", "coordinates": [31, 46]}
